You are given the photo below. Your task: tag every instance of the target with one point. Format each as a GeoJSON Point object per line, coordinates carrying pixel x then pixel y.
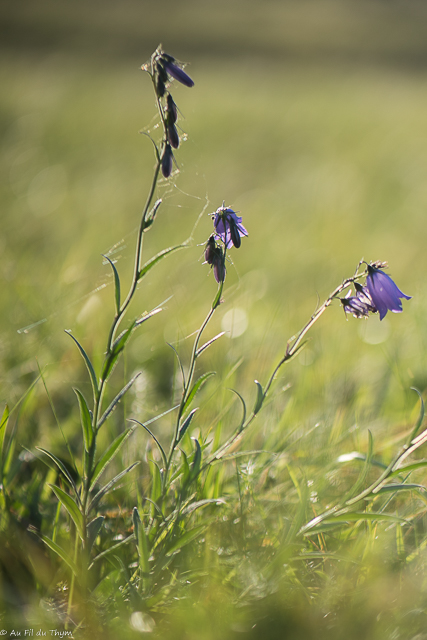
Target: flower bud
{"type": "Point", "coordinates": [171, 110]}
{"type": "Point", "coordinates": [167, 159]}
{"type": "Point", "coordinates": [173, 136]}
{"type": "Point", "coordinates": [177, 73]}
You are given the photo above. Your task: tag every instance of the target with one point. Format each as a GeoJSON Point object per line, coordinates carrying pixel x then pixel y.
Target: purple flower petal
{"type": "Point", "coordinates": [385, 294]}
{"type": "Point", "coordinates": [228, 227]}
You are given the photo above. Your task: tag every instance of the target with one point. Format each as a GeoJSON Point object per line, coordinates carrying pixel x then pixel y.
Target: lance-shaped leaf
{"type": "Point", "coordinates": [88, 365]}
{"type": "Point", "coordinates": [197, 459]}
{"type": "Point", "coordinates": [242, 422]}
{"type": "Point", "coordinates": [196, 387]}
{"type": "Point", "coordinates": [71, 507]}
{"type": "Point", "coordinates": [61, 466]}
{"type": "Point", "coordinates": [141, 541]}
{"type": "Point", "coordinates": [112, 549]}
{"type": "Point", "coordinates": [208, 343]}
{"type": "Point", "coordinates": [259, 397]}
{"type": "Point", "coordinates": [162, 254]}
{"type": "Point", "coordinates": [185, 539]}
{"type": "Point", "coordinates": [116, 284]}
{"type": "Point", "coordinates": [201, 503]}
{"type": "Point", "coordinates": [364, 472]}
{"type": "Point", "coordinates": [85, 419]}
{"type": "Point", "coordinates": [162, 451]}
{"type": "Point", "coordinates": [60, 552]}
{"type": "Point", "coordinates": [93, 529]}
{"type": "Point", "coordinates": [109, 454]}
{"type": "Point", "coordinates": [116, 400]}
{"type": "Point", "coordinates": [106, 488]}
{"type": "Point", "coordinates": [152, 214]}
{"type": "Point", "coordinates": [185, 425]}
{"type": "Point", "coordinates": [116, 349]}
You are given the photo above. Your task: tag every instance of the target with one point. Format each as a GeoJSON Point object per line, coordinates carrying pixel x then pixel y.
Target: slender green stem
{"type": "Point", "coordinates": [291, 349]}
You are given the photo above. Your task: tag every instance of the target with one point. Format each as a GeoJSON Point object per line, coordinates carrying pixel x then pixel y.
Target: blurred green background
{"type": "Point", "coordinates": [308, 117]}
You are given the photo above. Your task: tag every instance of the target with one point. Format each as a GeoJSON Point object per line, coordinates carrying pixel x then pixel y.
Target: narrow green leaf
{"type": "Point", "coordinates": [409, 467]}
{"type": "Point", "coordinates": [162, 451]}
{"type": "Point", "coordinates": [112, 549]}
{"type": "Point", "coordinates": [156, 484]}
{"type": "Point", "coordinates": [3, 428]}
{"type": "Point", "coordinates": [85, 419]}
{"type": "Point", "coordinates": [109, 454]}
{"type": "Point", "coordinates": [152, 214]}
{"type": "Point", "coordinates": [387, 488]}
{"type": "Point", "coordinates": [71, 507]}
{"type": "Point", "coordinates": [62, 468]}
{"type": "Point", "coordinates": [185, 425]}
{"type": "Point", "coordinates": [93, 529]}
{"type": "Point", "coordinates": [420, 417]}
{"type": "Point", "coordinates": [197, 385]}
{"type": "Point", "coordinates": [185, 467]}
{"type": "Point", "coordinates": [116, 283]}
{"type": "Point", "coordinates": [60, 552]}
{"type": "Point", "coordinates": [195, 467]}
{"type": "Point", "coordinates": [355, 516]}
{"type": "Point", "coordinates": [201, 503]}
{"type": "Point", "coordinates": [185, 539]}
{"type": "Point", "coordinates": [242, 422]}
{"type": "Point", "coordinates": [259, 398]}
{"type": "Point", "coordinates": [116, 349]}
{"type": "Point", "coordinates": [88, 365]}
{"type": "Point", "coordinates": [101, 493]}
{"type": "Point", "coordinates": [217, 300]}
{"type": "Point", "coordinates": [142, 542]}
{"type": "Point", "coordinates": [364, 471]}
{"type": "Point", "coordinates": [151, 263]}
{"type": "Point", "coordinates": [116, 400]}
{"type": "Point", "coordinates": [208, 344]}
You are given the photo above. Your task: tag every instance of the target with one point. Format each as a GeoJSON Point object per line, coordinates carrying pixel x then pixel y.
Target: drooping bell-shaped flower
{"type": "Point", "coordinates": [385, 294]}
{"type": "Point", "coordinates": [228, 227]}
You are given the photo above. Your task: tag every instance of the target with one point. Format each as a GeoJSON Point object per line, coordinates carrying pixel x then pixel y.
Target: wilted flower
{"type": "Point", "coordinates": [362, 293]}
{"type": "Point", "coordinates": [355, 306]}
{"type": "Point", "coordinates": [167, 161]}
{"type": "Point", "coordinates": [215, 257]}
{"type": "Point", "coordinates": [385, 294]}
{"type": "Point", "coordinates": [228, 227]}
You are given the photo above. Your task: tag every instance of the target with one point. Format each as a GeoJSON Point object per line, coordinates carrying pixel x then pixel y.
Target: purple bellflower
{"type": "Point", "coordinates": [228, 227]}
{"type": "Point", "coordinates": [384, 293]}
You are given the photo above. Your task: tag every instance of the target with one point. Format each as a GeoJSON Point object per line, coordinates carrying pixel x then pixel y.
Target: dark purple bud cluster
{"type": "Point", "coordinates": [379, 294]}
{"type": "Point", "coordinates": [214, 256]}
{"type": "Point", "coordinates": [228, 233]}
{"type": "Point", "coordinates": [164, 69]}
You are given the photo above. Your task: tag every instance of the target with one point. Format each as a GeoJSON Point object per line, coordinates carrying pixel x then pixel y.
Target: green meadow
{"type": "Point", "coordinates": [310, 121]}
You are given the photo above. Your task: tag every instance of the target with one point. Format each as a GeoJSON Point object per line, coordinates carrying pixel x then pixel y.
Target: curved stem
{"type": "Point", "coordinates": [291, 349]}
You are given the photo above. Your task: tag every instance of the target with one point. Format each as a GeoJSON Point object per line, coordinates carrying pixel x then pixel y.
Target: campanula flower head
{"type": "Point", "coordinates": [385, 294]}
{"type": "Point", "coordinates": [228, 227]}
